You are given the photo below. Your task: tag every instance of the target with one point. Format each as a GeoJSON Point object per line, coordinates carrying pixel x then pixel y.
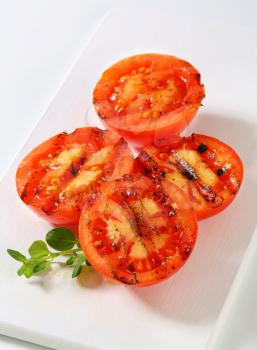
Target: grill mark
{"type": "Point", "coordinates": [172, 212]}
{"type": "Point", "coordinates": [146, 241]}
{"type": "Point", "coordinates": [202, 148]}
{"type": "Point", "coordinates": [99, 136]}
{"type": "Point", "coordinates": [24, 192]}
{"type": "Point", "coordinates": [189, 172]}
{"type": "Point", "coordinates": [130, 268]}
{"type": "Point", "coordinates": [206, 192]}
{"type": "Point", "coordinates": [37, 174]}
{"type": "Point", "coordinates": [209, 158]}
{"type": "Point", "coordinates": [184, 167]}
{"type": "Point", "coordinates": [198, 77]}
{"type": "Point", "coordinates": [73, 170]}
{"type": "Point", "coordinates": [151, 167]}
{"type": "Point", "coordinates": [131, 281]}
{"type": "Point", "coordinates": [147, 158]}
{"type": "Point", "coordinates": [221, 171]}
{"type": "Point", "coordinates": [33, 181]}
{"type": "Point", "coordinates": [66, 177]}
{"type": "Point", "coordinates": [48, 212]}
{"type": "Point", "coordinates": [139, 221]}
{"type": "Point", "coordinates": [116, 152]}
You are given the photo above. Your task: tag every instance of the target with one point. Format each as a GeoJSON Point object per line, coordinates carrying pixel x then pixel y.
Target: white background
{"type": "Point", "coordinates": [39, 41]}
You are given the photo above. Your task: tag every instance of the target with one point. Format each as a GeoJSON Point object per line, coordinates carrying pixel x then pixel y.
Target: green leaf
{"type": "Point", "coordinates": [16, 255]}
{"type": "Point", "coordinates": [71, 260]}
{"type": "Point", "coordinates": [76, 271]}
{"type": "Point", "coordinates": [28, 271]}
{"type": "Point", "coordinates": [88, 263]}
{"type": "Point", "coordinates": [41, 266]}
{"type": "Point", "coordinates": [61, 238]}
{"type": "Point", "coordinates": [78, 266]}
{"type": "Point", "coordinates": [21, 270]}
{"type": "Point", "coordinates": [38, 249]}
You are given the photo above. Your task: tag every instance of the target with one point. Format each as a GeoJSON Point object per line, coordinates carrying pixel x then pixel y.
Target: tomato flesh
{"type": "Point", "coordinates": [137, 231]}
{"type": "Point", "coordinates": [54, 178]}
{"type": "Point", "coordinates": [148, 97]}
{"type": "Point", "coordinates": [209, 171]}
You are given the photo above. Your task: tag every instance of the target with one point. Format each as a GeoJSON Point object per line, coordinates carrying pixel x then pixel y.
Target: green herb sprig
{"type": "Point", "coordinates": [65, 244]}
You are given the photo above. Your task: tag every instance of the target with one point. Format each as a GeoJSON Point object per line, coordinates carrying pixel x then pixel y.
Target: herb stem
{"type": "Point", "coordinates": [65, 244]}
{"type": "Point", "coordinates": [66, 253]}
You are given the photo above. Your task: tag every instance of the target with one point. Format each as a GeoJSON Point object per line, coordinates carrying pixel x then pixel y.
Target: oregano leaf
{"type": "Point", "coordinates": [28, 271]}
{"type": "Point", "coordinates": [78, 266]}
{"type": "Point", "coordinates": [61, 239]}
{"type": "Point", "coordinates": [41, 266]}
{"type": "Point", "coordinates": [21, 270]}
{"type": "Point", "coordinates": [16, 255]}
{"type": "Point", "coordinates": [88, 263]}
{"type": "Point", "coordinates": [38, 249]}
{"type": "Point", "coordinates": [76, 271]}
{"type": "Point", "coordinates": [71, 260]}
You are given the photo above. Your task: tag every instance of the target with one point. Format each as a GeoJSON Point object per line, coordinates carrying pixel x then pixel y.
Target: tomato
{"type": "Point", "coordinates": [149, 96]}
{"type": "Point", "coordinates": [209, 171]}
{"type": "Point", "coordinates": [137, 231]}
{"type": "Point", "coordinates": [54, 178]}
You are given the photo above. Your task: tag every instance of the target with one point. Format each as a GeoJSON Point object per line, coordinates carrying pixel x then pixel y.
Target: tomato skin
{"type": "Point", "coordinates": [159, 97]}
{"type": "Point", "coordinates": [208, 170]}
{"type": "Point", "coordinates": [55, 177]}
{"type": "Point", "coordinates": [159, 136]}
{"type": "Point", "coordinates": [167, 239]}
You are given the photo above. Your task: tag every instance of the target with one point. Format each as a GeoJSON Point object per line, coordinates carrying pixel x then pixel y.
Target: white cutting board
{"type": "Point", "coordinates": [90, 313]}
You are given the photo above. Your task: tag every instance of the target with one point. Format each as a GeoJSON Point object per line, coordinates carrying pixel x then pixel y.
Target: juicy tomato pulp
{"type": "Point", "coordinates": [148, 97]}
{"type": "Point", "coordinates": [209, 171]}
{"type": "Point", "coordinates": [55, 177]}
{"type": "Point", "coordinates": [137, 231]}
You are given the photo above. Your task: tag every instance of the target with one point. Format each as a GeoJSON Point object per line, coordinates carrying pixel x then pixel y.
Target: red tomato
{"type": "Point", "coordinates": [209, 171]}
{"type": "Point", "coordinates": [137, 231]}
{"type": "Point", "coordinates": [147, 97]}
{"type": "Point", "coordinates": [55, 177]}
